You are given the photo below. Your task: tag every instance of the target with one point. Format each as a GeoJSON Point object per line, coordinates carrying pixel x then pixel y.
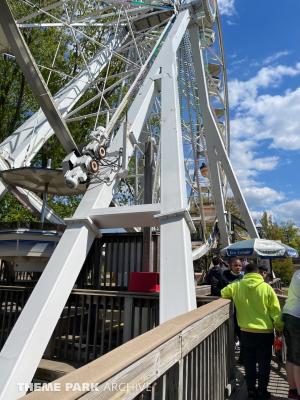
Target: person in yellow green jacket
{"type": "Point", "coordinates": [258, 314]}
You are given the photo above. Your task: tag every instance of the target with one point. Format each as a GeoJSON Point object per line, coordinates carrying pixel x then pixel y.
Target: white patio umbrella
{"type": "Point", "coordinates": [262, 248]}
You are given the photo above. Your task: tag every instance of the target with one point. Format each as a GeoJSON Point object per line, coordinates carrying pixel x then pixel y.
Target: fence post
{"type": "Point", "coordinates": [128, 314]}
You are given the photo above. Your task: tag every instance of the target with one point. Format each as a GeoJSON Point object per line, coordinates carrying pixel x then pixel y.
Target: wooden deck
{"type": "Point", "coordinates": [278, 385]}
{"type": "Point", "coordinates": [176, 360]}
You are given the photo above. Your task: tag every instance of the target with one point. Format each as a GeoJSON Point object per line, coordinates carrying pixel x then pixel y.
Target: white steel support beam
{"type": "Point", "coordinates": [34, 77]}
{"type": "Point", "coordinates": [177, 288]}
{"type": "Point", "coordinates": [24, 347]}
{"type": "Point", "coordinates": [215, 147]}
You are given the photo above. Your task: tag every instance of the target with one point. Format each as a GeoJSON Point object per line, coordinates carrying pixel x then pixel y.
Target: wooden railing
{"type": "Point", "coordinates": [184, 358]}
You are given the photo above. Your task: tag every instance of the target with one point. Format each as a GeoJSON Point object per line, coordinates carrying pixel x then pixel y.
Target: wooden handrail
{"type": "Point", "coordinates": [200, 291]}
{"type": "Point", "coordinates": [144, 358]}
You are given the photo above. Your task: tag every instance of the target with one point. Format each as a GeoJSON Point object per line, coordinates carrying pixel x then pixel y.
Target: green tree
{"type": "Point", "coordinates": [286, 232]}
{"type": "Point", "coordinates": [11, 210]}
{"type": "Point", "coordinates": [283, 269]}
{"type": "Point", "coordinates": [271, 230]}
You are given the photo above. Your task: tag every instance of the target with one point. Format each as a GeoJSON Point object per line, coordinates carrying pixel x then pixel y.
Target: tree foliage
{"type": "Point", "coordinates": [283, 269]}
{"type": "Point", "coordinates": [286, 232]}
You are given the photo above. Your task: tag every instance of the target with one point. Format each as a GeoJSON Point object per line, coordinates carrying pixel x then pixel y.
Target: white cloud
{"type": "Point", "coordinates": [273, 118]}
{"type": "Point", "coordinates": [275, 57]}
{"type": "Point", "coordinates": [261, 197]}
{"type": "Point", "coordinates": [246, 164]}
{"type": "Point", "coordinates": [263, 121]}
{"type": "Point", "coordinates": [226, 7]}
{"type": "Point", "coordinates": [256, 215]}
{"type": "Point", "coordinates": [287, 211]}
{"type": "Point", "coordinates": [242, 94]}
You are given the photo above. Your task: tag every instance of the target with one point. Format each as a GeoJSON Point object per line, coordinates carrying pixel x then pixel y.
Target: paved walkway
{"type": "Point", "coordinates": [278, 385]}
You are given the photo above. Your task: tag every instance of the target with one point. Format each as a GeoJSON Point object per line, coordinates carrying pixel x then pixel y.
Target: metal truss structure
{"type": "Point", "coordinates": [149, 75]}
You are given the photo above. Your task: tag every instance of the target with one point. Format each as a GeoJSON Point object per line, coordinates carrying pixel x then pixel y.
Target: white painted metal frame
{"type": "Point", "coordinates": [32, 331]}
{"type": "Point", "coordinates": [217, 153]}
{"type": "Point", "coordinates": [177, 294]}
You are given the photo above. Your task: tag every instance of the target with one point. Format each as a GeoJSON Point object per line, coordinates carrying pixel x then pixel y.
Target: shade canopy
{"type": "Point", "coordinates": [262, 248]}
{"type": "Point", "coordinates": [41, 180]}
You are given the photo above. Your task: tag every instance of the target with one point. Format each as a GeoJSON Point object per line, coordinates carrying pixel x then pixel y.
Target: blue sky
{"type": "Point", "coordinates": [262, 49]}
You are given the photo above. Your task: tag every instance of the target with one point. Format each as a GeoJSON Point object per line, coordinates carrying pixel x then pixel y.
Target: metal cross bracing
{"type": "Point", "coordinates": [141, 71]}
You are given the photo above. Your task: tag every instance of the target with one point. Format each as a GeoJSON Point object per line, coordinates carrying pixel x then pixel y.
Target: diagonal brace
{"type": "Point", "coordinates": [34, 77]}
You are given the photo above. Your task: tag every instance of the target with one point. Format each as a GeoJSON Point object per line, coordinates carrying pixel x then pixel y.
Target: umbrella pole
{"type": "Point", "coordinates": [45, 199]}
{"type": "Point", "coordinates": [271, 269]}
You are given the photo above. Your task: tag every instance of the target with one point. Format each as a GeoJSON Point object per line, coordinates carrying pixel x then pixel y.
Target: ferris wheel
{"type": "Point", "coordinates": [136, 95]}
{"type": "Point", "coordinates": [101, 55]}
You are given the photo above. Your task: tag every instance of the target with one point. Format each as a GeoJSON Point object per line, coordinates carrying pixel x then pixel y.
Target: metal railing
{"type": "Point", "coordinates": [276, 283]}
{"type": "Point", "coordinates": [12, 301]}
{"type": "Point", "coordinates": [93, 322]}
{"type": "Point", "coordinates": [111, 260]}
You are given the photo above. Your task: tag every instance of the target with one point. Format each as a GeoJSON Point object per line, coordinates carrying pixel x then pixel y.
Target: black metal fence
{"type": "Point", "coordinates": [12, 301]}
{"type": "Point", "coordinates": [100, 314]}
{"type": "Point", "coordinates": [108, 265]}
{"type": "Point", "coordinates": [111, 260]}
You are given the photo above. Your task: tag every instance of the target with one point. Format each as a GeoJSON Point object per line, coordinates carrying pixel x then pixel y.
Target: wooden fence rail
{"type": "Point", "coordinates": [184, 358]}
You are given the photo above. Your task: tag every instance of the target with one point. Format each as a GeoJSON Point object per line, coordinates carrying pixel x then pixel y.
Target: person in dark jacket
{"type": "Point", "coordinates": [214, 275]}
{"type": "Point", "coordinates": [232, 274]}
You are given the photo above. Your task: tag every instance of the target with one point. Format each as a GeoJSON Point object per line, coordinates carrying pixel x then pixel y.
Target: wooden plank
{"type": "Point", "coordinates": [203, 290]}
{"type": "Point", "coordinates": [49, 370]}
{"type": "Point", "coordinates": [197, 332]}
{"type": "Point", "coordinates": [139, 375]}
{"type": "Point", "coordinates": [180, 379]}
